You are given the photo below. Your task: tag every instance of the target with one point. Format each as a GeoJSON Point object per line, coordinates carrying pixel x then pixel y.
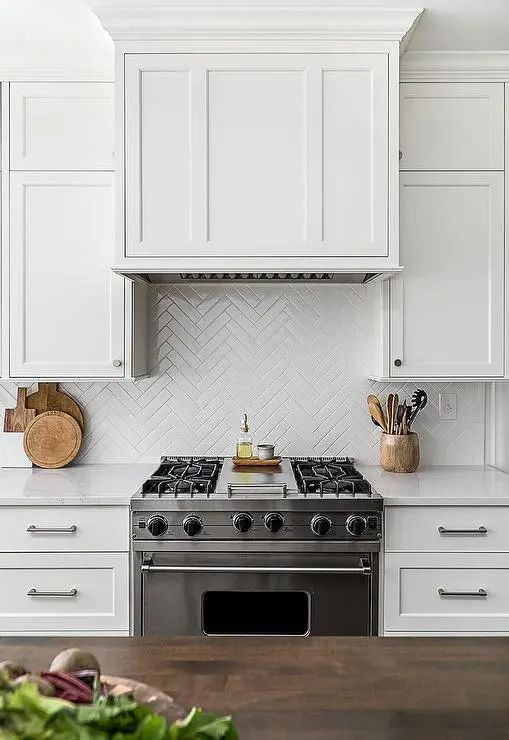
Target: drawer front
{"type": "Point", "coordinates": [61, 126]}
{"type": "Point", "coordinates": [65, 529]}
{"type": "Point", "coordinates": [454, 593]}
{"type": "Point", "coordinates": [51, 593]}
{"type": "Point", "coordinates": [447, 528]}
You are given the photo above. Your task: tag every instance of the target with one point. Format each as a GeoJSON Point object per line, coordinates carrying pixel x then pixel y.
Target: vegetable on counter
{"type": "Point", "coordinates": [81, 710]}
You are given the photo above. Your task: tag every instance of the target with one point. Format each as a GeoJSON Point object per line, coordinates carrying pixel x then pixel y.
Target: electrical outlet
{"type": "Point", "coordinates": [447, 406]}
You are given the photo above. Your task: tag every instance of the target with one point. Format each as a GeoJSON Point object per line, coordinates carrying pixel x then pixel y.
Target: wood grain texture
{"type": "Point", "coordinates": [52, 439]}
{"type": "Point", "coordinates": [48, 397]}
{"type": "Point", "coordinates": [254, 462]}
{"type": "Point", "coordinates": [316, 688]}
{"type": "Point", "coordinates": [399, 453]}
{"type": "Point", "coordinates": [17, 419]}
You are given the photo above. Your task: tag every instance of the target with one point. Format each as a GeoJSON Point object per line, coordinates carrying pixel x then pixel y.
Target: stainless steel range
{"type": "Point", "coordinates": [290, 550]}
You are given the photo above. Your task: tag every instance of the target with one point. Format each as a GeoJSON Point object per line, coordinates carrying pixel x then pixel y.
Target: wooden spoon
{"type": "Point", "coordinates": [377, 414]}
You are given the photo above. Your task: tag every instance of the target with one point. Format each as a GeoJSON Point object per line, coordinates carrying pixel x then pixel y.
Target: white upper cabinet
{"type": "Point", "coordinates": [452, 126]}
{"type": "Point", "coordinates": [447, 307]}
{"type": "Point", "coordinates": [253, 155]}
{"type": "Point", "coordinates": [61, 126]}
{"type": "Point", "coordinates": [66, 306]}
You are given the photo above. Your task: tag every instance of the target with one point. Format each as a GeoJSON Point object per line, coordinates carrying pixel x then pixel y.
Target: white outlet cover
{"type": "Point", "coordinates": [447, 406]}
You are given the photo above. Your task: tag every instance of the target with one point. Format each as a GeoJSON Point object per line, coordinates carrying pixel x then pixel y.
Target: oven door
{"type": "Point", "coordinates": [264, 594]}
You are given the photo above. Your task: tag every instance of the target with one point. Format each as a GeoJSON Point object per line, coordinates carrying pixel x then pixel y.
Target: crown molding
{"type": "Point", "coordinates": [55, 74]}
{"type": "Point", "coordinates": [443, 66]}
{"type": "Point", "coordinates": [163, 22]}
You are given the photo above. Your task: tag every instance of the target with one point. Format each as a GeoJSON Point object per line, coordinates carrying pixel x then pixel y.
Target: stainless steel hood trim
{"type": "Point", "coordinates": [159, 277]}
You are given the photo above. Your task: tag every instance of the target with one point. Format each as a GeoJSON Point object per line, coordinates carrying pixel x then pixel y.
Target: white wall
{"type": "Point", "coordinates": [65, 33]}
{"type": "Point", "coordinates": [53, 34]}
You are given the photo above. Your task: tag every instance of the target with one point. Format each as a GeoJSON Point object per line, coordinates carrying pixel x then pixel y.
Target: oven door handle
{"type": "Point", "coordinates": [363, 569]}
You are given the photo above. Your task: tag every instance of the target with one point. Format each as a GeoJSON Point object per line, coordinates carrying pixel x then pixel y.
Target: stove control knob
{"type": "Point", "coordinates": [157, 525]}
{"type": "Point", "coordinates": [356, 525]}
{"type": "Point", "coordinates": [192, 525]}
{"type": "Point", "coordinates": [273, 521]}
{"type": "Point", "coordinates": [243, 522]}
{"type": "Point", "coordinates": [321, 525]}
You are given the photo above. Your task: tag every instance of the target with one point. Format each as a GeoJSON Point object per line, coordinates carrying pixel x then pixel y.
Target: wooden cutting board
{"type": "Point", "coordinates": [17, 420]}
{"type": "Point", "coordinates": [246, 462]}
{"type": "Point", "coordinates": [52, 439]}
{"type": "Point", "coordinates": [49, 398]}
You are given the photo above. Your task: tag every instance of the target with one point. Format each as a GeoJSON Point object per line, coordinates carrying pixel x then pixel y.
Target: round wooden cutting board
{"type": "Point", "coordinates": [52, 439]}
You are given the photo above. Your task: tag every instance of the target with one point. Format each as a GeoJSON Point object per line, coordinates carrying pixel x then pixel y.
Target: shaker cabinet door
{"type": "Point", "coordinates": [447, 307]}
{"type": "Point", "coordinates": [66, 306]}
{"type": "Point", "coordinates": [452, 126]}
{"type": "Point", "coordinates": [256, 155]}
{"type": "Point", "coordinates": [61, 126]}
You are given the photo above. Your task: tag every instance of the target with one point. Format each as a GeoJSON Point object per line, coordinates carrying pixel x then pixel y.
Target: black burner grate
{"type": "Point", "coordinates": [184, 475]}
{"type": "Point", "coordinates": [329, 475]}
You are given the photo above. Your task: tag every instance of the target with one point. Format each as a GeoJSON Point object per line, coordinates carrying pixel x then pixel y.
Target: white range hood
{"type": "Point", "coordinates": [257, 143]}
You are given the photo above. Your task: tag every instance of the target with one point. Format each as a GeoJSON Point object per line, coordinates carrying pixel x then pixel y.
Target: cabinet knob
{"type": "Point", "coordinates": [398, 363]}
{"type": "Point", "coordinates": [400, 154]}
{"type": "Point", "coordinates": [116, 363]}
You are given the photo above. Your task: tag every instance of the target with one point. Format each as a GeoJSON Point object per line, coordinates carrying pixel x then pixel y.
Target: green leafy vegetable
{"type": "Point", "coordinates": [26, 715]}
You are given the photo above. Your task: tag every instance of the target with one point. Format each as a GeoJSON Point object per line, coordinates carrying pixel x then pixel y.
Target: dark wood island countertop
{"type": "Point", "coordinates": [317, 688]}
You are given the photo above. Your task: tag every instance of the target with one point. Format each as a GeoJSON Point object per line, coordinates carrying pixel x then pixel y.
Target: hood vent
{"type": "Point", "coordinates": [282, 277]}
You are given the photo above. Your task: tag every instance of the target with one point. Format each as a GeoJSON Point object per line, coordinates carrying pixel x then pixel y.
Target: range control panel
{"type": "Point", "coordinates": [259, 525]}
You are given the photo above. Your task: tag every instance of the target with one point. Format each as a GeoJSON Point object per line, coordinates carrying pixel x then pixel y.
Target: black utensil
{"type": "Point", "coordinates": [419, 401]}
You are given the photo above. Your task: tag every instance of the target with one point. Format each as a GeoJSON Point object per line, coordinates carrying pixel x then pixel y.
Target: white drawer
{"type": "Point", "coordinates": [84, 592]}
{"type": "Point", "coordinates": [69, 529]}
{"type": "Point", "coordinates": [61, 126]}
{"type": "Point", "coordinates": [464, 528]}
{"type": "Point", "coordinates": [454, 592]}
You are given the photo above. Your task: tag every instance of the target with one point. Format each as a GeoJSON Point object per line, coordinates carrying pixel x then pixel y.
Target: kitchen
{"type": "Point", "coordinates": [210, 211]}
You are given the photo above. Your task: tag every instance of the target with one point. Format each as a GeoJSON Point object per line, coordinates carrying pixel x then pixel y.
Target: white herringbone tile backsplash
{"type": "Point", "coordinates": [294, 357]}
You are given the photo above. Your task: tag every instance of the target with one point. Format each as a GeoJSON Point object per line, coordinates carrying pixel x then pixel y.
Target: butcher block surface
{"type": "Point", "coordinates": [316, 688]}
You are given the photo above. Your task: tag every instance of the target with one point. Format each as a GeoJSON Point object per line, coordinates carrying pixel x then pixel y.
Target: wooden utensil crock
{"type": "Point", "coordinates": [399, 453]}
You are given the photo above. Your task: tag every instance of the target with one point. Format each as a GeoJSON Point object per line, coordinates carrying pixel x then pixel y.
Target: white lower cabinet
{"type": "Point", "coordinates": [66, 306]}
{"type": "Point", "coordinates": [75, 593]}
{"type": "Point", "coordinates": [64, 570]}
{"type": "Point", "coordinates": [446, 570]}
{"type": "Point", "coordinates": [435, 592]}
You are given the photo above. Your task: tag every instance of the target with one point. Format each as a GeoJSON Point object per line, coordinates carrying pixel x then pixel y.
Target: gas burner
{"type": "Point", "coordinates": [329, 476]}
{"type": "Point", "coordinates": [183, 475]}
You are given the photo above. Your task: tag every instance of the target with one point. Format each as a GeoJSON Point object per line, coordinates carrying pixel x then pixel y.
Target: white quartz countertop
{"type": "Point", "coordinates": [115, 484]}
{"type": "Point", "coordinates": [112, 485]}
{"type": "Point", "coordinates": [443, 485]}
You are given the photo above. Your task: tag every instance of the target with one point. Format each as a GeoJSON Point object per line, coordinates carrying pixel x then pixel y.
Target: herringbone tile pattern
{"type": "Point", "coordinates": [292, 356]}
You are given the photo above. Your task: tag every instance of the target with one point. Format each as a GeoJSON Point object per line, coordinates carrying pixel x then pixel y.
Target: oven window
{"type": "Point", "coordinates": [256, 613]}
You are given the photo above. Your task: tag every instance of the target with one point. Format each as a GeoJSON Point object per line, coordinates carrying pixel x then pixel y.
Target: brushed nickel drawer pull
{"type": "Point", "coordinates": [281, 488]}
{"type": "Point", "coordinates": [71, 592]}
{"type": "Point", "coordinates": [480, 594]}
{"type": "Point", "coordinates": [479, 531]}
{"type": "Point", "coordinates": [52, 530]}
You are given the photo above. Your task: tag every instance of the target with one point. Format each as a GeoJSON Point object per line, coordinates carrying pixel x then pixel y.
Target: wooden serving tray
{"type": "Point", "coordinates": [251, 462]}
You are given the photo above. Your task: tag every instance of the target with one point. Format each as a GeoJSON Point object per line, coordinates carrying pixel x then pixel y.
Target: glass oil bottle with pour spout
{"type": "Point", "coordinates": [244, 441]}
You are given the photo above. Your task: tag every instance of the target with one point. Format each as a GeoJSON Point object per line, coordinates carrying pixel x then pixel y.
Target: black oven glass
{"type": "Point", "coordinates": [256, 613]}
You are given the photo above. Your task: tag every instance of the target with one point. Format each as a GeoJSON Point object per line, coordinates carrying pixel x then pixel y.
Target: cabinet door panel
{"type": "Point", "coordinates": [252, 155]}
{"type": "Point", "coordinates": [93, 588]}
{"type": "Point", "coordinates": [61, 126]}
{"type": "Point", "coordinates": [66, 307]}
{"type": "Point", "coordinates": [452, 126]}
{"type": "Point", "coordinates": [433, 592]}
{"type": "Point", "coordinates": [447, 307]}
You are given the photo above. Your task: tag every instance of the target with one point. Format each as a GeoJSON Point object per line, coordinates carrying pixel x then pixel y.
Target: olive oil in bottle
{"type": "Point", "coordinates": [244, 441]}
